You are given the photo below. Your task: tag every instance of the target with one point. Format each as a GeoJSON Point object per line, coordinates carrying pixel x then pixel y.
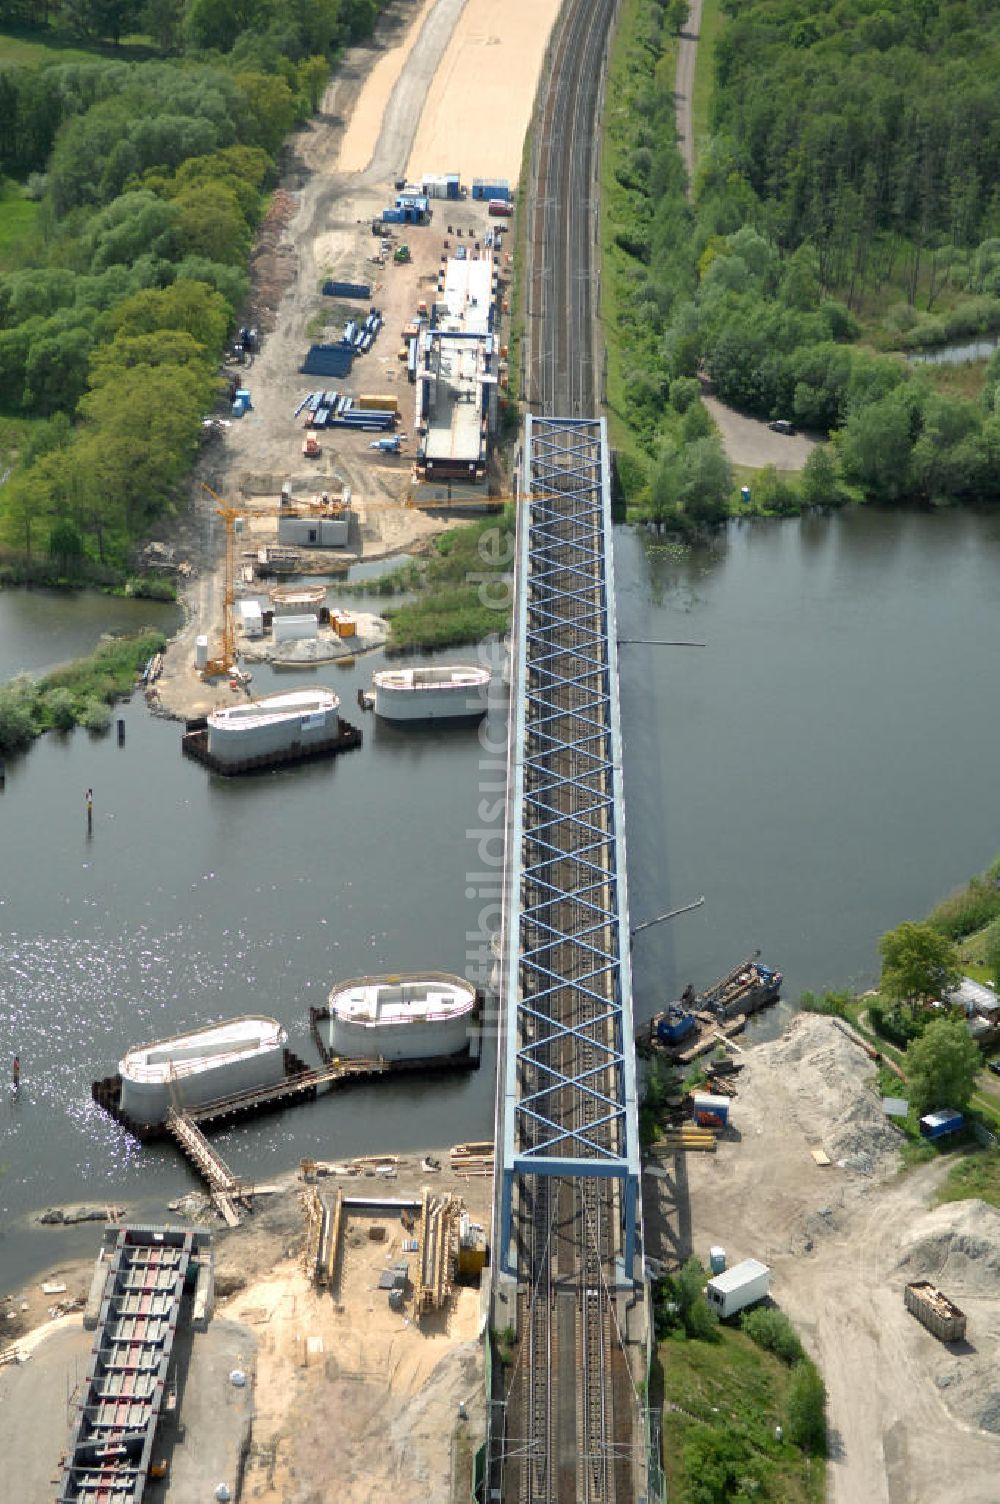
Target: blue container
{"type": "Point", "coordinates": [328, 360]}
{"type": "Point", "coordinates": [346, 290]}
{"type": "Point", "coordinates": [938, 1124]}
{"type": "Point", "coordinates": [392, 217]}
{"type": "Point", "coordinates": [453, 184]}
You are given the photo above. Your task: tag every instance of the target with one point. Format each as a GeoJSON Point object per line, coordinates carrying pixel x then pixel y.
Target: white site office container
{"type": "Point", "coordinates": [740, 1286]}
{"type": "Point", "coordinates": [293, 628]}
{"type": "Point", "coordinates": [251, 618]}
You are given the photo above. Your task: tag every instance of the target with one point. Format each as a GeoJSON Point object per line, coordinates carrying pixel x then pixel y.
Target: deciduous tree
{"type": "Point", "coordinates": [942, 1066]}
{"type": "Point", "coordinates": [919, 964]}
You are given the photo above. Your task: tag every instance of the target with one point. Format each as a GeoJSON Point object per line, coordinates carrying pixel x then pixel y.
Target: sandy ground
{"type": "Point", "coordinates": [364, 126]}
{"type": "Point", "coordinates": [339, 1381]}
{"type": "Point", "coordinates": [911, 1419]}
{"type": "Point", "coordinates": [749, 441]}
{"type": "Point", "coordinates": [479, 106]}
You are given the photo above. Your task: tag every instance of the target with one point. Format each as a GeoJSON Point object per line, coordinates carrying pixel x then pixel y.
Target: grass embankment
{"type": "Point", "coordinates": [629, 77]}
{"type": "Point", "coordinates": [18, 216]}
{"type": "Point", "coordinates": [462, 590]}
{"type": "Point", "coordinates": [976, 1177]}
{"type": "Point", "coordinates": [723, 1400]}
{"type": "Point", "coordinates": [79, 693]}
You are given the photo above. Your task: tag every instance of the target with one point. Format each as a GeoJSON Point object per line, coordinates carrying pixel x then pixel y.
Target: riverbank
{"type": "Point", "coordinates": [842, 1237]}
{"type": "Point", "coordinates": [311, 1353]}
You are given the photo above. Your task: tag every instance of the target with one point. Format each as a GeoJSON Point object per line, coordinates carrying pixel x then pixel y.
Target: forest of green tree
{"type": "Point", "coordinates": [147, 169]}
{"type": "Point", "coordinates": [846, 205]}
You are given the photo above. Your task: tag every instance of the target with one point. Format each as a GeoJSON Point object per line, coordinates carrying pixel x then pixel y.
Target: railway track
{"type": "Point", "coordinates": [572, 1429]}
{"type": "Point", "coordinates": [570, 1438]}
{"type": "Point", "coordinates": [563, 278]}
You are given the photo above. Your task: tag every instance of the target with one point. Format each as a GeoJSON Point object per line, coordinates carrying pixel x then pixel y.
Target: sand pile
{"type": "Point", "coordinates": [832, 1099]}
{"type": "Point", "coordinates": [957, 1246]}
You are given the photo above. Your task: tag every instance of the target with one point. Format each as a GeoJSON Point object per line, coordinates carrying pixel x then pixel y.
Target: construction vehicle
{"type": "Point", "coordinates": [401, 255]}
{"type": "Point", "coordinates": [386, 446]}
{"type": "Point", "coordinates": [311, 447]}
{"type": "Point", "coordinates": [226, 661]}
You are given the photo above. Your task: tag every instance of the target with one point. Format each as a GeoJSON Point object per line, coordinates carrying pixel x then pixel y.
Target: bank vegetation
{"type": "Point", "coordinates": [138, 147]}
{"type": "Point", "coordinates": [844, 211]}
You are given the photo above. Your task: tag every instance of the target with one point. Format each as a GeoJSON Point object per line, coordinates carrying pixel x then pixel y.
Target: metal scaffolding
{"type": "Point", "coordinates": [569, 1095]}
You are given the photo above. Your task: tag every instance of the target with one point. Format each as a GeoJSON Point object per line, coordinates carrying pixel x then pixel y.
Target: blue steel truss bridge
{"type": "Point", "coordinates": [569, 1425]}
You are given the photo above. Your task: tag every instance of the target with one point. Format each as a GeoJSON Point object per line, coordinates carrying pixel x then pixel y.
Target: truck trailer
{"type": "Point", "coordinates": [736, 1288]}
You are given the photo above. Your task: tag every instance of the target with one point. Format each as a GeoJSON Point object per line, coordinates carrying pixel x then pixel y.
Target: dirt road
{"type": "Point", "coordinates": [747, 441]}
{"type": "Point", "coordinates": [833, 1237]}
{"type": "Point", "coordinates": [687, 56]}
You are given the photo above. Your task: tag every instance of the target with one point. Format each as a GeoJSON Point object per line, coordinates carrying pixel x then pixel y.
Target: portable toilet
{"type": "Point", "coordinates": [717, 1259]}
{"type": "Point", "coordinates": [745, 495]}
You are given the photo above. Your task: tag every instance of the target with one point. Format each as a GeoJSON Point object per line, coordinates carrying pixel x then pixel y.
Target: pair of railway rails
{"type": "Point", "coordinates": [570, 1409]}
{"type": "Point", "coordinates": [574, 1434]}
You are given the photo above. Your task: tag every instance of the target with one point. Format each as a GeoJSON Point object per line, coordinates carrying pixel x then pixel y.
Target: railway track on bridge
{"type": "Point", "coordinates": [570, 1425]}
{"type": "Point", "coordinates": [578, 1438]}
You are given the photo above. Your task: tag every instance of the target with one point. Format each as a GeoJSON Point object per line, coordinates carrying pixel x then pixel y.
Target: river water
{"type": "Point", "coordinates": [823, 768]}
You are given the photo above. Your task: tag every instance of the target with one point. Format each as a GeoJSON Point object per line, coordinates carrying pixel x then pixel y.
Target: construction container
{"type": "Point", "coordinates": [710, 1111]}
{"type": "Point", "coordinates": [347, 290]}
{"type": "Point", "coordinates": [453, 184]}
{"type": "Point", "coordinates": [294, 628]}
{"type": "Point", "coordinates": [251, 618]}
{"type": "Point", "coordinates": [382, 403]}
{"type": "Point", "coordinates": [344, 626]}
{"type": "Point", "coordinates": [736, 1288]}
{"type": "Point", "coordinates": [393, 217]}
{"type": "Point", "coordinates": [328, 360]}
{"type": "Point", "coordinates": [490, 188]}
{"type": "Point", "coordinates": [940, 1123]}
{"type": "Point", "coordinates": [935, 1311]}
{"type": "Point", "coordinates": [471, 1246]}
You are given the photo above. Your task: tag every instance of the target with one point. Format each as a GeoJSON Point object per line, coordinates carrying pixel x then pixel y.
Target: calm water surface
{"type": "Point", "coordinates": [825, 767]}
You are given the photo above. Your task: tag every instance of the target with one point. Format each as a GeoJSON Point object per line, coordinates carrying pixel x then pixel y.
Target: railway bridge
{"type": "Point", "coordinates": [569, 1372]}
{"type": "Point", "coordinates": [569, 1423]}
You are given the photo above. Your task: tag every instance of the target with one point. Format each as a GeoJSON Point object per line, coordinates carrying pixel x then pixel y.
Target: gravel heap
{"type": "Point", "coordinates": [956, 1246]}
{"type": "Point", "coordinates": [834, 1100]}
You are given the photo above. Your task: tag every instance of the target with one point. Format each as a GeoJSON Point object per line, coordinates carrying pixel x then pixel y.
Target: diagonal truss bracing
{"type": "Point", "coordinates": [569, 1104]}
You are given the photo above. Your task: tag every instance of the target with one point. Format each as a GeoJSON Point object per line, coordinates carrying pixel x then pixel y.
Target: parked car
{"type": "Point", "coordinates": [994, 1066]}
{"type": "Point", "coordinates": [782, 425]}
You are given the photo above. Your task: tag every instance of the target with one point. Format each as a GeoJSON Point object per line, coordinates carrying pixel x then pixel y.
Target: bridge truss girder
{"type": "Point", "coordinates": [567, 1054]}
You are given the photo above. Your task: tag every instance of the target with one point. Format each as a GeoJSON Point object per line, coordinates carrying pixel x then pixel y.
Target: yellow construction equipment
{"type": "Point", "coordinates": [226, 661]}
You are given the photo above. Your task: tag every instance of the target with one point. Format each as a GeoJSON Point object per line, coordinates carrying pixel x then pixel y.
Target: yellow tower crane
{"type": "Point", "coordinates": [226, 660]}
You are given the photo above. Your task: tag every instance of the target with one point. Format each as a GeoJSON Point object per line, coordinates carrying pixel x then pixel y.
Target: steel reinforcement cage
{"type": "Point", "coordinates": [568, 1101]}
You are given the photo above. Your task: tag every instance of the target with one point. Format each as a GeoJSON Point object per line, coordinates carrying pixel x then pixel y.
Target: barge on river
{"type": "Point", "coordinates": [689, 1027]}
{"type": "Point", "coordinates": [294, 726]}
{"type": "Point", "coordinates": [426, 1015]}
{"type": "Point", "coordinates": [187, 1070]}
{"type": "Point", "coordinates": [456, 692]}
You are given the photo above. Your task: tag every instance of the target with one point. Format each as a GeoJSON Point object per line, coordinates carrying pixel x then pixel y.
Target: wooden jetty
{"type": "Point", "coordinates": [300, 1084]}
